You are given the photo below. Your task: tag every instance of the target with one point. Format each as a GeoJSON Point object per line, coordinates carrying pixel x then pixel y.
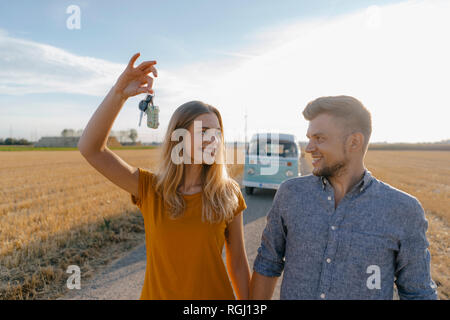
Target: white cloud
{"type": "Point", "coordinates": [31, 67]}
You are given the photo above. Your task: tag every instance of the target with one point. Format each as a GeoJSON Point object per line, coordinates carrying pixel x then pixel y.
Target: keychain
{"type": "Point", "coordinates": [151, 110]}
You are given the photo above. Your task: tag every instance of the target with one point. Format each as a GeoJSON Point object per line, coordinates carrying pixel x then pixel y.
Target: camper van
{"type": "Point", "coordinates": [270, 158]}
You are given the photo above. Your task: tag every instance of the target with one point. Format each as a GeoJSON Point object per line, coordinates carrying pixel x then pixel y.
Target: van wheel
{"type": "Point", "coordinates": [249, 190]}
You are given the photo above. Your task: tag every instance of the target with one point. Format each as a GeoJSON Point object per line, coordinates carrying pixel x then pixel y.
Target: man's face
{"type": "Point", "coordinates": [326, 136]}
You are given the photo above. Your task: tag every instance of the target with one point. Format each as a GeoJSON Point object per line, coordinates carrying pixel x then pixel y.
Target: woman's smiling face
{"type": "Point", "coordinates": [206, 128]}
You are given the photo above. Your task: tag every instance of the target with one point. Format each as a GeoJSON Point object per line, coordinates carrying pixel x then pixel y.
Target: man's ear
{"type": "Point", "coordinates": [356, 141]}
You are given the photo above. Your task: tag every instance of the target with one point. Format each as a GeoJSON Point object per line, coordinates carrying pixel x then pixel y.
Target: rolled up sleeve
{"type": "Point", "coordinates": [413, 274]}
{"type": "Point", "coordinates": [270, 258]}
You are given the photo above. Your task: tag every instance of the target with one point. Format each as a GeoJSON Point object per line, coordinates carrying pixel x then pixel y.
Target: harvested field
{"type": "Point", "coordinates": [56, 210]}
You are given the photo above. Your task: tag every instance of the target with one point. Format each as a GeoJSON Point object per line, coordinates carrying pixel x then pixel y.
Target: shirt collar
{"type": "Point", "coordinates": [361, 185]}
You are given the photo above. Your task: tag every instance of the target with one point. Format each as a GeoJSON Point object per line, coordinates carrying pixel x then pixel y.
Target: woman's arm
{"type": "Point", "coordinates": [92, 143]}
{"type": "Point", "coordinates": [237, 262]}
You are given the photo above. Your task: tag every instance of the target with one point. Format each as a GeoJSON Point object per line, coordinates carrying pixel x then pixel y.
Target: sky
{"type": "Point", "coordinates": [259, 58]}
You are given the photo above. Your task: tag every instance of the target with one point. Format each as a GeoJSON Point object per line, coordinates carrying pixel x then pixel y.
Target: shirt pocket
{"type": "Point", "coordinates": [370, 248]}
{"type": "Point", "coordinates": [369, 255]}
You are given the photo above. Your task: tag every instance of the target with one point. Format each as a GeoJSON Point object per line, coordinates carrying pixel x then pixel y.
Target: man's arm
{"type": "Point", "coordinates": [262, 287]}
{"type": "Point", "coordinates": [269, 262]}
{"type": "Point", "coordinates": [413, 261]}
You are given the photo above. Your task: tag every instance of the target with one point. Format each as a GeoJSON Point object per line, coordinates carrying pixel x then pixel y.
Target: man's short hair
{"type": "Point", "coordinates": [356, 117]}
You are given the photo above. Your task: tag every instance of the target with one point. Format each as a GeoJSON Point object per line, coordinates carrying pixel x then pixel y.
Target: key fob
{"type": "Point", "coordinates": [152, 116]}
{"type": "Point", "coordinates": [143, 105]}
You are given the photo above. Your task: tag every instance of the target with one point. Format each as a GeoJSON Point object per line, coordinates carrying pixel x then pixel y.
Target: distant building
{"type": "Point", "coordinates": [69, 142]}
{"type": "Point", "coordinates": [153, 143]}
{"type": "Point", "coordinates": [137, 144]}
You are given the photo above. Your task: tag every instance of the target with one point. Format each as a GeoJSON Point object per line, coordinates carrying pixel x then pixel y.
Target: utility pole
{"type": "Point", "coordinates": [245, 130]}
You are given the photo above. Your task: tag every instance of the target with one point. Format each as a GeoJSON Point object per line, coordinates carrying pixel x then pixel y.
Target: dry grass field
{"type": "Point", "coordinates": [55, 210]}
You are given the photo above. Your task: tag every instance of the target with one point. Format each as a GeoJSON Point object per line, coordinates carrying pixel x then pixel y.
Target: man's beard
{"type": "Point", "coordinates": [333, 170]}
{"type": "Point", "coordinates": [336, 168]}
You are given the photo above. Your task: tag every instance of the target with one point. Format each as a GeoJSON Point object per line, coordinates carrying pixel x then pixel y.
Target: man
{"type": "Point", "coordinates": [341, 233]}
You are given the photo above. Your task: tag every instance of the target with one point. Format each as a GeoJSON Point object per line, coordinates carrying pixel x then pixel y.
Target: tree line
{"type": "Point", "coordinates": [13, 141]}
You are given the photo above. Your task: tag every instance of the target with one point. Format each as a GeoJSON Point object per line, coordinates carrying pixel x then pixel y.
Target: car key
{"type": "Point", "coordinates": [143, 105]}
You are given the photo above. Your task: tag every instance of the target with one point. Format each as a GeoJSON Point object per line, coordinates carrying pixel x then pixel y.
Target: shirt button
{"type": "Point", "coordinates": [333, 227]}
{"type": "Point", "coordinates": [329, 198]}
{"type": "Point", "coordinates": [328, 260]}
{"type": "Point", "coordinates": [322, 295]}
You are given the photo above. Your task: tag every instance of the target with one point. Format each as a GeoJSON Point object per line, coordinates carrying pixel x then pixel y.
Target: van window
{"type": "Point", "coordinates": [282, 148]}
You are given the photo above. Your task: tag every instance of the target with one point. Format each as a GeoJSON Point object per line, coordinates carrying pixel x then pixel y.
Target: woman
{"type": "Point", "coordinates": [190, 208]}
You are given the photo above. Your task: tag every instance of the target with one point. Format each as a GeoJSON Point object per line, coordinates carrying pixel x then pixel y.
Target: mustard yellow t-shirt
{"type": "Point", "coordinates": [184, 255]}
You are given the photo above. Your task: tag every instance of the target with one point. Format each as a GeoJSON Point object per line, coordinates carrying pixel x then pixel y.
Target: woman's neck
{"type": "Point", "coordinates": [192, 179]}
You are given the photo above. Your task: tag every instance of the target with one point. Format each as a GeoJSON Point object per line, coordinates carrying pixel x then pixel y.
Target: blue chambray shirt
{"type": "Point", "coordinates": [376, 236]}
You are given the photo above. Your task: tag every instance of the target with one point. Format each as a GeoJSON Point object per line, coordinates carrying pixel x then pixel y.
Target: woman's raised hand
{"type": "Point", "coordinates": [134, 81]}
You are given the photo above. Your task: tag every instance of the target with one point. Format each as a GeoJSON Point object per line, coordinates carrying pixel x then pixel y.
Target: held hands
{"type": "Point", "coordinates": [132, 81]}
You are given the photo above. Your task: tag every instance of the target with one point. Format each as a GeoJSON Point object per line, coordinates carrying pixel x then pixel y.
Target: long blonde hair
{"type": "Point", "coordinates": [220, 192]}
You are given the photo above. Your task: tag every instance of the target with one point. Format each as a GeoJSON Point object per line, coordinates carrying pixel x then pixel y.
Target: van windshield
{"type": "Point", "coordinates": [267, 148]}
